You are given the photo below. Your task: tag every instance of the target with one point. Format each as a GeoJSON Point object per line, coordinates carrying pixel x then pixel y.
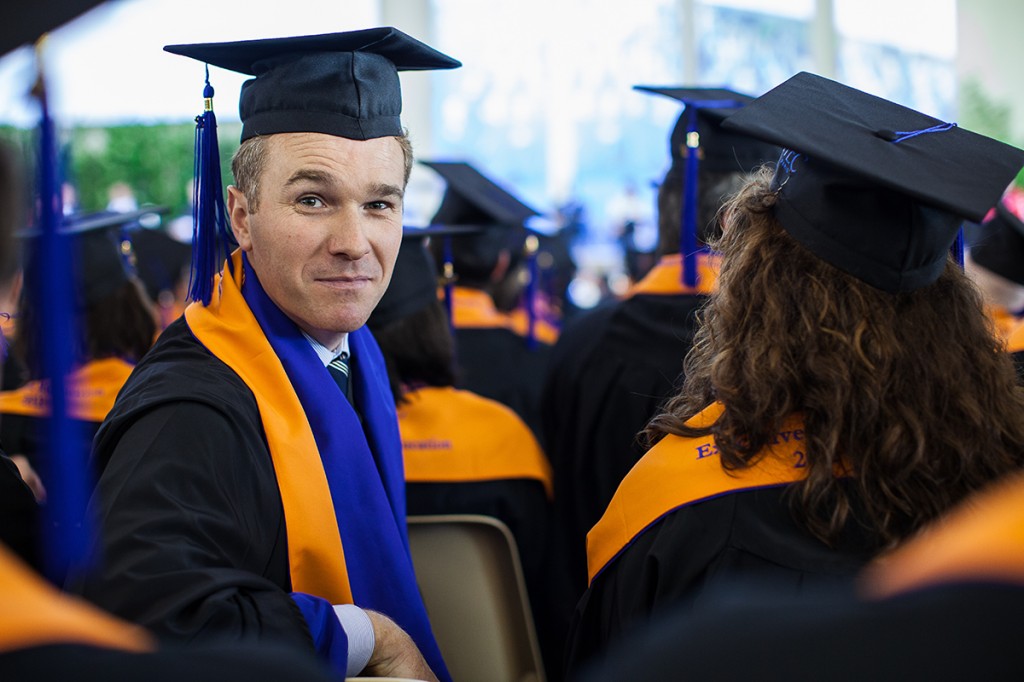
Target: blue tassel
{"type": "Point", "coordinates": [688, 234]}
{"type": "Point", "coordinates": [449, 281]}
{"type": "Point", "coordinates": [64, 465]}
{"type": "Point", "coordinates": [212, 239]}
{"type": "Point", "coordinates": [532, 246]}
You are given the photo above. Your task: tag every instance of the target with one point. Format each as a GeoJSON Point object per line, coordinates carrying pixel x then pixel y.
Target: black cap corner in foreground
{"type": "Point", "coordinates": [874, 188]}
{"type": "Point", "coordinates": [344, 84]}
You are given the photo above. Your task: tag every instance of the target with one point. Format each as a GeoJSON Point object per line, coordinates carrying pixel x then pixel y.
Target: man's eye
{"type": "Point", "coordinates": [311, 202]}
{"type": "Point", "coordinates": [379, 205]}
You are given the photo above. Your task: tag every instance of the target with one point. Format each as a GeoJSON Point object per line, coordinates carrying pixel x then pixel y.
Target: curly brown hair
{"type": "Point", "coordinates": [911, 392]}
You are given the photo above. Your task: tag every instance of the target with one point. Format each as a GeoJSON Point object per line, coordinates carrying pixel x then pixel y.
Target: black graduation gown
{"type": "Point", "coordinates": [208, 663]}
{"type": "Point", "coordinates": [609, 372]}
{"type": "Point", "coordinates": [496, 363]}
{"type": "Point", "coordinates": [19, 514]}
{"type": "Point", "coordinates": [183, 455]}
{"type": "Point", "coordinates": [965, 631]}
{"type": "Point", "coordinates": [690, 552]}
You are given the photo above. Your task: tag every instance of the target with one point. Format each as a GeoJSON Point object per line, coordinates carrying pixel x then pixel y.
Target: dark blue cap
{"type": "Point", "coordinates": [344, 84]}
{"type": "Point", "coordinates": [874, 188]}
{"type": "Point", "coordinates": [719, 150]}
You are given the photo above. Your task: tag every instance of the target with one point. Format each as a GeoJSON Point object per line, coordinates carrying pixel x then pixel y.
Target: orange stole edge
{"type": "Point", "coordinates": [982, 538]}
{"type": "Point", "coordinates": [676, 472]}
{"type": "Point", "coordinates": [230, 331]}
{"type": "Point", "coordinates": [666, 277]}
{"type": "Point", "coordinates": [34, 613]}
{"type": "Point", "coordinates": [92, 389]}
{"type": "Point", "coordinates": [474, 419]}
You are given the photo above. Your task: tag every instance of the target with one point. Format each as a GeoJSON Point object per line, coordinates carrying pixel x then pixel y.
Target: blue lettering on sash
{"type": "Point", "coordinates": [706, 450]}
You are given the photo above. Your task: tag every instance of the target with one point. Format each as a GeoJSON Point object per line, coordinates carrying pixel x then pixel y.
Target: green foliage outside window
{"type": "Point", "coordinates": [156, 161]}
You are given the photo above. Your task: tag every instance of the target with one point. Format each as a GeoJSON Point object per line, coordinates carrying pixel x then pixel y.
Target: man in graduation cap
{"type": "Point", "coordinates": [614, 366]}
{"type": "Point", "coordinates": [252, 477]}
{"type": "Point", "coordinates": [844, 388]}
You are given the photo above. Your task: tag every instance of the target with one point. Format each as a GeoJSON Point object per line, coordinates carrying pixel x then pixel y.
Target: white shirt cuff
{"type": "Point", "coordinates": [359, 630]}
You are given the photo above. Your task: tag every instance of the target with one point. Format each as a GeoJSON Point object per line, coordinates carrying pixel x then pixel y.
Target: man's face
{"type": "Point", "coordinates": [328, 225]}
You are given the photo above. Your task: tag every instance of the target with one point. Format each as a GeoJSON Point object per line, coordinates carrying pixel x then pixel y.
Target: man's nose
{"type": "Point", "coordinates": [348, 236]}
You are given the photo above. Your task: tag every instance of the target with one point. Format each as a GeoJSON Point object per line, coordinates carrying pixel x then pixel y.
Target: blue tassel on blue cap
{"type": "Point", "coordinates": [66, 530]}
{"type": "Point", "coordinates": [532, 246]}
{"type": "Point", "coordinates": [449, 281]}
{"type": "Point", "coordinates": [212, 239]}
{"type": "Point", "coordinates": [688, 234]}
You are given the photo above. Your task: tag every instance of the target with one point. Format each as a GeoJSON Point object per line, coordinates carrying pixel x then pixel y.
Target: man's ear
{"type": "Point", "coordinates": [238, 211]}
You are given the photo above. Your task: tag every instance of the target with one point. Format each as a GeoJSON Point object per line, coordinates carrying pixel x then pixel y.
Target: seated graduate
{"type": "Point", "coordinates": [114, 326]}
{"type": "Point", "coordinates": [245, 489]}
{"type": "Point", "coordinates": [463, 453]}
{"type": "Point", "coordinates": [46, 635]}
{"type": "Point", "coordinates": [162, 263]}
{"type": "Point", "coordinates": [615, 366]}
{"type": "Point", "coordinates": [945, 605]}
{"type": "Point", "coordinates": [494, 355]}
{"type": "Point", "coordinates": [844, 388]}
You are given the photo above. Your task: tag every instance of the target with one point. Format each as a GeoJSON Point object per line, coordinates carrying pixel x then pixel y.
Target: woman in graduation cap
{"type": "Point", "coordinates": [116, 326]}
{"type": "Point", "coordinates": [845, 387]}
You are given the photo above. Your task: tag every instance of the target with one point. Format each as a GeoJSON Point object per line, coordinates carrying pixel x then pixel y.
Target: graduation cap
{"type": "Point", "coordinates": [699, 143]}
{"type": "Point", "coordinates": [874, 188]}
{"type": "Point", "coordinates": [999, 246]}
{"type": "Point", "coordinates": [33, 18]}
{"type": "Point", "coordinates": [102, 258]}
{"type": "Point", "coordinates": [344, 84]}
{"type": "Point", "coordinates": [160, 259]}
{"type": "Point", "coordinates": [497, 216]}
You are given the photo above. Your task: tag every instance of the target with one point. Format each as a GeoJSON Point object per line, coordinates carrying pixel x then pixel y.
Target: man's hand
{"type": "Point", "coordinates": [29, 475]}
{"type": "Point", "coordinates": [395, 654]}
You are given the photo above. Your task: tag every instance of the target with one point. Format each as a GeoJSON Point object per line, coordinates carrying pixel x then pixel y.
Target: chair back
{"type": "Point", "coordinates": [471, 579]}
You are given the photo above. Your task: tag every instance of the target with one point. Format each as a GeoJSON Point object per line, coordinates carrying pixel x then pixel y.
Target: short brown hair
{"type": "Point", "coordinates": [249, 160]}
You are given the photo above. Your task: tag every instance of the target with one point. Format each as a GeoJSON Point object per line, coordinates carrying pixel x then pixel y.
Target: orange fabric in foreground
{"type": "Point", "coordinates": [982, 539]}
{"type": "Point", "coordinates": [34, 613]}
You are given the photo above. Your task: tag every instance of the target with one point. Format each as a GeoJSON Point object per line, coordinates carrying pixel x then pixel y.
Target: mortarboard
{"type": "Point", "coordinates": [101, 259]}
{"type": "Point", "coordinates": [874, 188]}
{"type": "Point", "coordinates": [501, 223]}
{"type": "Point", "coordinates": [473, 199]}
{"type": "Point", "coordinates": [31, 20]}
{"type": "Point", "coordinates": [699, 143]}
{"type": "Point", "coordinates": [999, 244]}
{"type": "Point", "coordinates": [344, 84]}
{"type": "Point", "coordinates": [160, 259]}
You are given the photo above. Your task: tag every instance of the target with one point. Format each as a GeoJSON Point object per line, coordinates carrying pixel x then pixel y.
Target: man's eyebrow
{"type": "Point", "coordinates": [308, 175]}
{"type": "Point", "coordinates": [386, 190]}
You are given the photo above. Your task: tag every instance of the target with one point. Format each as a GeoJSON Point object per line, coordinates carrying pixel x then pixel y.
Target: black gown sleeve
{"type": "Point", "coordinates": [192, 536]}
